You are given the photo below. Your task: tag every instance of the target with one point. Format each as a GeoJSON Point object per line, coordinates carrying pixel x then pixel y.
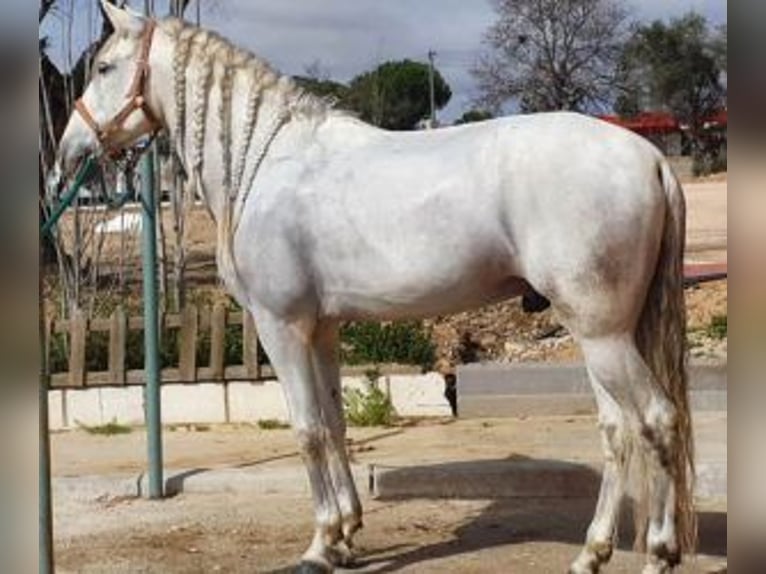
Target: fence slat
{"type": "Point", "coordinates": [187, 353]}
{"type": "Point", "coordinates": [250, 346]}
{"type": "Point", "coordinates": [118, 335]}
{"type": "Point", "coordinates": [78, 333]}
{"type": "Point", "coordinates": [218, 340]}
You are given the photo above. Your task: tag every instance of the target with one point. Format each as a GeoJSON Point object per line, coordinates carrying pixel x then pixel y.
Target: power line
{"type": "Point", "coordinates": [431, 55]}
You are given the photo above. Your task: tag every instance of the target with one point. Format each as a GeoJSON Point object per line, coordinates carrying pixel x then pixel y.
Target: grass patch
{"type": "Point", "coordinates": [109, 429]}
{"type": "Point", "coordinates": [272, 424]}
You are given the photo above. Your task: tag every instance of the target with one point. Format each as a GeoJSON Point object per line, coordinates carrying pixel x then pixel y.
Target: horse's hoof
{"type": "Point", "coordinates": [306, 567]}
{"type": "Point", "coordinates": [343, 556]}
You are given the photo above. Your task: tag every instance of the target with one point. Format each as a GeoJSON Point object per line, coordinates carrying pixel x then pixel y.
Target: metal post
{"type": "Point", "coordinates": [151, 328]}
{"type": "Point", "coordinates": [431, 90]}
{"type": "Point", "coordinates": [45, 513]}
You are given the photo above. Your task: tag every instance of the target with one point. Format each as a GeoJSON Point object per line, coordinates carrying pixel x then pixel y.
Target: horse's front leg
{"type": "Point", "coordinates": [325, 350]}
{"type": "Point", "coordinates": [288, 345]}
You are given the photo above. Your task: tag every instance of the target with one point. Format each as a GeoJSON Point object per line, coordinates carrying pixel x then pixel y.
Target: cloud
{"type": "Point", "coordinates": [348, 37]}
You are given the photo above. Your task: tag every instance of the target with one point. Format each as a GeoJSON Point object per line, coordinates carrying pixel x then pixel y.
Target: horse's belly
{"type": "Point", "coordinates": [422, 290]}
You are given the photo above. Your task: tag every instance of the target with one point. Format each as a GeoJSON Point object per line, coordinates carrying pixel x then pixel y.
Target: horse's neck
{"type": "Point", "coordinates": [219, 149]}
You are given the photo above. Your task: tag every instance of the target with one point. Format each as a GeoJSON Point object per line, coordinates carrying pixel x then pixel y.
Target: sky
{"type": "Point", "coordinates": [347, 37]}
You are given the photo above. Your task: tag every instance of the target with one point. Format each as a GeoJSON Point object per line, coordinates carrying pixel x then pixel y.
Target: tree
{"type": "Point", "coordinates": [475, 115]}
{"type": "Point", "coordinates": [395, 95]}
{"type": "Point", "coordinates": [551, 54]}
{"type": "Point", "coordinates": [676, 67]}
{"type": "Point", "coordinates": [324, 88]}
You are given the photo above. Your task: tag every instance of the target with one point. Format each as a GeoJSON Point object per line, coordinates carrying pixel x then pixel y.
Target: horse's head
{"type": "Point", "coordinates": [117, 109]}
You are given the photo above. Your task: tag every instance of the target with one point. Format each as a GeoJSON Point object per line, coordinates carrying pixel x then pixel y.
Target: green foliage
{"type": "Point", "coordinates": [718, 327]}
{"type": "Point", "coordinates": [368, 407]}
{"type": "Point", "coordinates": [109, 429]}
{"type": "Point", "coordinates": [57, 353]}
{"type": "Point", "coordinates": [272, 424]}
{"type": "Point", "coordinates": [674, 66]}
{"type": "Point", "coordinates": [396, 95]}
{"type": "Point", "coordinates": [474, 115]}
{"type": "Point", "coordinates": [405, 343]}
{"type": "Point", "coordinates": [334, 91]}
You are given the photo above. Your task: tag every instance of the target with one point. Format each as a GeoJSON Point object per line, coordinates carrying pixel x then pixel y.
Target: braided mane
{"type": "Point", "coordinates": [197, 55]}
{"type": "Point", "coordinates": [204, 61]}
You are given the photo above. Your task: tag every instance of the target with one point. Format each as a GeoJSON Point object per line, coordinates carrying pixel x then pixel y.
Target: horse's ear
{"type": "Point", "coordinates": [122, 19]}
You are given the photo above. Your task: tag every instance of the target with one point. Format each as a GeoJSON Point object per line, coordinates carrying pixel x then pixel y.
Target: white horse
{"type": "Point", "coordinates": [322, 218]}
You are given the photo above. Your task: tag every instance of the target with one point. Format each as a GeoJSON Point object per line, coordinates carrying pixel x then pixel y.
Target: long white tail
{"type": "Point", "coordinates": [661, 339]}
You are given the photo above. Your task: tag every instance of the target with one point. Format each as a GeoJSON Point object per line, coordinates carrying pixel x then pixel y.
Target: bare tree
{"type": "Point", "coordinates": [551, 54]}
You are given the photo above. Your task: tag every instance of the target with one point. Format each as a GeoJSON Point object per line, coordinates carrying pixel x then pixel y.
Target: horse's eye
{"type": "Point", "coordinates": [104, 67]}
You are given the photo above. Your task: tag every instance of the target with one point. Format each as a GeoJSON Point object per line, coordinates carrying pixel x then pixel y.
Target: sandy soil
{"type": "Point", "coordinates": [431, 440]}
{"type": "Point", "coordinates": [706, 221]}
{"type": "Point", "coordinates": [241, 532]}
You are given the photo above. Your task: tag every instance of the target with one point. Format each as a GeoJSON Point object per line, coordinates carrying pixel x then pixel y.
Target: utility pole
{"type": "Point", "coordinates": [431, 55]}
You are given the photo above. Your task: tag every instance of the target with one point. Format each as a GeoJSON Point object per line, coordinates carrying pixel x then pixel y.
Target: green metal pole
{"type": "Point", "coordinates": [151, 328]}
{"type": "Point", "coordinates": [85, 171]}
{"type": "Point", "coordinates": [45, 512]}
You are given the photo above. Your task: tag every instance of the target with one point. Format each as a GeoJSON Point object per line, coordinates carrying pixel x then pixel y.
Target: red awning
{"type": "Point", "coordinates": [661, 122]}
{"type": "Point", "coordinates": [649, 122]}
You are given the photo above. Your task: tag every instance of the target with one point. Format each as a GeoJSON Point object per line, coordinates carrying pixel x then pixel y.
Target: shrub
{"type": "Point", "coordinates": [718, 327]}
{"type": "Point", "coordinates": [406, 343]}
{"type": "Point", "coordinates": [368, 407]}
{"type": "Point", "coordinates": [709, 161]}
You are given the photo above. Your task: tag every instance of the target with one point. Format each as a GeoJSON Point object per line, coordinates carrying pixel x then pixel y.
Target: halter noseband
{"type": "Point", "coordinates": [136, 101]}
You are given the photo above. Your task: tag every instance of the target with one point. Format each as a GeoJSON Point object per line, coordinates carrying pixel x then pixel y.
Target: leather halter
{"type": "Point", "coordinates": [136, 101]}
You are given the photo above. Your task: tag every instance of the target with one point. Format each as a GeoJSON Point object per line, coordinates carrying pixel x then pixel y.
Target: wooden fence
{"type": "Point", "coordinates": [189, 323]}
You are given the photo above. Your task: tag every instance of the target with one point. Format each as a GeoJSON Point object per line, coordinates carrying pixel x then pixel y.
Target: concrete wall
{"type": "Point", "coordinates": [412, 395]}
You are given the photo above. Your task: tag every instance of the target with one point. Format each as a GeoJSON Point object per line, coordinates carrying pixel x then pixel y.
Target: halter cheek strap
{"type": "Point", "coordinates": [136, 101]}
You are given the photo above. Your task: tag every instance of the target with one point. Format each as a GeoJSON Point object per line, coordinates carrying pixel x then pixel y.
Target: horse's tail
{"type": "Point", "coordinates": [661, 340]}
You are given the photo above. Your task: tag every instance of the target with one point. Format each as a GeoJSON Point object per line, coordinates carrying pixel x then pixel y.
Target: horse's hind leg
{"type": "Point", "coordinates": [604, 373]}
{"type": "Point", "coordinates": [326, 360]}
{"type": "Point", "coordinates": [638, 427]}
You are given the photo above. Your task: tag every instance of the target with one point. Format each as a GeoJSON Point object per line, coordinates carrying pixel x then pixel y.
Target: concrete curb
{"type": "Point", "coordinates": [497, 390]}
{"type": "Point", "coordinates": [467, 480]}
{"type": "Point", "coordinates": [514, 479]}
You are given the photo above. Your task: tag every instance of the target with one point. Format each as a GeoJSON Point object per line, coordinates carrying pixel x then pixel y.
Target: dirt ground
{"type": "Point", "coordinates": [232, 532]}
{"type": "Point", "coordinates": [267, 532]}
